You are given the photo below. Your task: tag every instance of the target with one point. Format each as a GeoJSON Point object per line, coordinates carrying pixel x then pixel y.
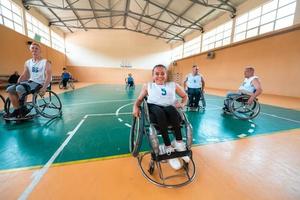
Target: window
{"type": "Point", "coordinates": [37, 30]}
{"type": "Point", "coordinates": [273, 15]}
{"type": "Point", "coordinates": [11, 15]}
{"type": "Point", "coordinates": [217, 37]}
{"type": "Point", "coordinates": [57, 42]}
{"type": "Point", "coordinates": [192, 47]}
{"type": "Point", "coordinates": [177, 53]}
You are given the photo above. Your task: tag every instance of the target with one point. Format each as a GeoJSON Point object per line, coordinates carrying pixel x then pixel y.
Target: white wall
{"type": "Point", "coordinates": [109, 48]}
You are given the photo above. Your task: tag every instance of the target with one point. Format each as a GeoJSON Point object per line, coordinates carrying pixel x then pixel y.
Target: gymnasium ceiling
{"type": "Point", "coordinates": [170, 20]}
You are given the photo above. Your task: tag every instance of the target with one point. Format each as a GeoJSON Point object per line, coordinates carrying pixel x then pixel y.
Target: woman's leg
{"type": "Point", "coordinates": [158, 116]}
{"type": "Point", "coordinates": [174, 119]}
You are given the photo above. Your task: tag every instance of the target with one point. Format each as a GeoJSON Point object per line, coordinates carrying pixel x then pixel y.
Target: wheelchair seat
{"type": "Point", "coordinates": [152, 159]}
{"type": "Point", "coordinates": [239, 107]}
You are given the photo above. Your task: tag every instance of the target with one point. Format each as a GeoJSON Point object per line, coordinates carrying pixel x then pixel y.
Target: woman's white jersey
{"type": "Point", "coordinates": [37, 70]}
{"type": "Point", "coordinates": [162, 95]}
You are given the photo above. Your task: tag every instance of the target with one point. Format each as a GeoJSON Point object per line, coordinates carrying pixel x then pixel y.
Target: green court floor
{"type": "Point", "coordinates": [96, 124]}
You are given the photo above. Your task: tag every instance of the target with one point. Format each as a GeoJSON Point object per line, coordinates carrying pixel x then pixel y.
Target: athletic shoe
{"type": "Point", "coordinates": [174, 162]}
{"type": "Point", "coordinates": [180, 146]}
{"type": "Point", "coordinates": [226, 110]}
{"type": "Point", "coordinates": [24, 111]}
{"type": "Point", "coordinates": [14, 114]}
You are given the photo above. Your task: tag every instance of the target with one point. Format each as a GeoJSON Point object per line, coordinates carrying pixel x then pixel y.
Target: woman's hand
{"type": "Point", "coordinates": [136, 111]}
{"type": "Point", "coordinates": [179, 105]}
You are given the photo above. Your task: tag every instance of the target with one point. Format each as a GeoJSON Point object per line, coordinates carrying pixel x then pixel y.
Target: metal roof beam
{"type": "Point", "coordinates": [199, 19]}
{"type": "Point", "coordinates": [92, 6]}
{"type": "Point", "coordinates": [156, 27]}
{"type": "Point", "coordinates": [178, 17]}
{"type": "Point", "coordinates": [59, 19]}
{"type": "Point", "coordinates": [169, 2]}
{"type": "Point", "coordinates": [143, 13]}
{"type": "Point", "coordinates": [87, 18]}
{"type": "Point", "coordinates": [110, 20]}
{"type": "Point", "coordinates": [224, 5]}
{"type": "Point", "coordinates": [75, 13]}
{"type": "Point", "coordinates": [126, 12]}
{"type": "Point", "coordinates": [173, 13]}
{"type": "Point", "coordinates": [108, 28]}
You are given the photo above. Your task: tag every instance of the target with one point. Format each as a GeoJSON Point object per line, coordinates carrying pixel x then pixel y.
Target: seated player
{"type": "Point", "coordinates": [129, 81]}
{"type": "Point", "coordinates": [162, 103]}
{"type": "Point", "coordinates": [35, 77]}
{"type": "Point", "coordinates": [250, 86]}
{"type": "Point", "coordinates": [65, 77]}
{"type": "Point", "coordinates": [195, 84]}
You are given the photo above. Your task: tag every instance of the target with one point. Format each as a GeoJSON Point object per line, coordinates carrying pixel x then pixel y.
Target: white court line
{"type": "Point", "coordinates": [126, 124]}
{"type": "Point", "coordinates": [280, 117]}
{"type": "Point", "coordinates": [94, 102]}
{"type": "Point", "coordinates": [108, 114]}
{"type": "Point", "coordinates": [117, 112]}
{"type": "Point", "coordinates": [40, 173]}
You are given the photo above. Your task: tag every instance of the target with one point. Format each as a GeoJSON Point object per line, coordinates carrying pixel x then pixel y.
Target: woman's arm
{"type": "Point", "coordinates": [183, 95]}
{"type": "Point", "coordinates": [138, 102]}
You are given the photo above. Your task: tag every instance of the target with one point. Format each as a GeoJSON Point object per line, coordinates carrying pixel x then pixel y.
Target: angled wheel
{"type": "Point", "coordinates": [49, 105]}
{"type": "Point", "coordinates": [71, 83]}
{"type": "Point", "coordinates": [3, 101]}
{"type": "Point", "coordinates": [60, 85]}
{"type": "Point", "coordinates": [136, 136]}
{"type": "Point", "coordinates": [7, 106]}
{"type": "Point", "coordinates": [239, 108]}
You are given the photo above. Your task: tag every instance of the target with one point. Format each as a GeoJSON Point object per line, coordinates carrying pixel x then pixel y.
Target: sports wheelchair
{"type": "Point", "coordinates": [148, 161]}
{"type": "Point", "coordinates": [129, 85]}
{"type": "Point", "coordinates": [238, 106]}
{"type": "Point", "coordinates": [3, 102]}
{"type": "Point", "coordinates": [193, 96]}
{"type": "Point", "coordinates": [70, 84]}
{"type": "Point", "coordinates": [48, 106]}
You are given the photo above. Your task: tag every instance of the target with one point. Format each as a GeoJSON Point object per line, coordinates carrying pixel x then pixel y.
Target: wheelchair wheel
{"type": "Point", "coordinates": [136, 136]}
{"type": "Point", "coordinates": [239, 108]}
{"type": "Point", "coordinates": [60, 85]}
{"type": "Point", "coordinates": [7, 106]}
{"type": "Point", "coordinates": [2, 111]}
{"type": "Point", "coordinates": [49, 105]}
{"type": "Point", "coordinates": [71, 83]}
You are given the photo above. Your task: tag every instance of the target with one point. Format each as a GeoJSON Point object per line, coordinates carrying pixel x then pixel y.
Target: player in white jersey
{"type": "Point", "coordinates": [35, 77]}
{"type": "Point", "coordinates": [250, 86]}
{"type": "Point", "coordinates": [194, 84]}
{"type": "Point", "coordinates": [162, 103]}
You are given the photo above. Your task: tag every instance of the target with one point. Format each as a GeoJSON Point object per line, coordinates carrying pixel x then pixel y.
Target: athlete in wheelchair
{"type": "Point", "coordinates": [129, 82]}
{"type": "Point", "coordinates": [194, 85]}
{"type": "Point", "coordinates": [66, 80]}
{"type": "Point", "coordinates": [35, 80]}
{"type": "Point", "coordinates": [158, 115]}
{"type": "Point", "coordinates": [244, 104]}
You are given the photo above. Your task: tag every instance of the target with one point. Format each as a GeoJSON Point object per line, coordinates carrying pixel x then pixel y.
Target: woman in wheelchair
{"type": "Point", "coordinates": [162, 104]}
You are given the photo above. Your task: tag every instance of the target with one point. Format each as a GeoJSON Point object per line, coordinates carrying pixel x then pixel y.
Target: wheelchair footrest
{"type": "Point", "coordinates": [27, 117]}
{"type": "Point", "coordinates": [176, 154]}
